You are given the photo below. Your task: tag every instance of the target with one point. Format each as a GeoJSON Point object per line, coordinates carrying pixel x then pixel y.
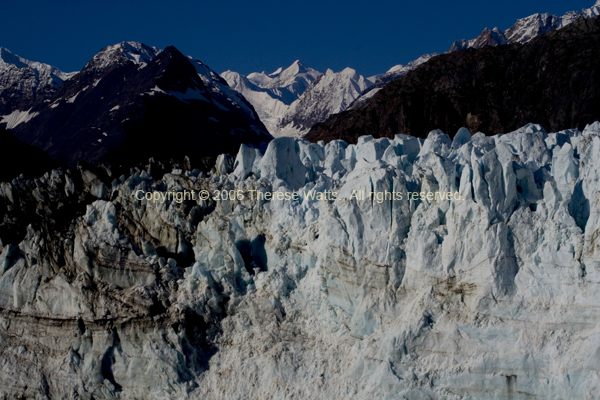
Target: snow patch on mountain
{"type": "Point", "coordinates": [17, 117]}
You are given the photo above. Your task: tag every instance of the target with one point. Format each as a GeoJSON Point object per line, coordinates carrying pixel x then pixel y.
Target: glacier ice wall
{"type": "Point", "coordinates": [492, 296]}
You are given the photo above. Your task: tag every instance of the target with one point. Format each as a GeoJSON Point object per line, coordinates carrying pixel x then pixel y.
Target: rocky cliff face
{"type": "Point", "coordinates": [493, 296]}
{"type": "Point", "coordinates": [551, 80]}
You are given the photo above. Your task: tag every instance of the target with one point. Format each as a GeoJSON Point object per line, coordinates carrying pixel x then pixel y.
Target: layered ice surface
{"type": "Point", "coordinates": [493, 296]}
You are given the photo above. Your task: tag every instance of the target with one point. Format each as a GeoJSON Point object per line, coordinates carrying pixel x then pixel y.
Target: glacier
{"type": "Point", "coordinates": [493, 296]}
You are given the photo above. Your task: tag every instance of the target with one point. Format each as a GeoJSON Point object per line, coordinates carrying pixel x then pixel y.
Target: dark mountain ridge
{"type": "Point", "coordinates": [24, 158]}
{"type": "Point", "coordinates": [553, 80]}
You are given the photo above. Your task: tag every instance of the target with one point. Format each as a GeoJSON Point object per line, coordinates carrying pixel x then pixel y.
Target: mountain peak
{"type": "Point", "coordinates": [348, 72]}
{"type": "Point", "coordinates": [139, 52]}
{"type": "Point", "coordinates": [136, 52]}
{"type": "Point", "coordinates": [296, 68]}
{"type": "Point", "coordinates": [9, 58]}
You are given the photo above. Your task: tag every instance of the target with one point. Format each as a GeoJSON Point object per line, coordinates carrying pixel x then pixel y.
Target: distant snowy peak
{"type": "Point", "coordinates": [289, 101]}
{"type": "Point", "coordinates": [399, 71]}
{"type": "Point", "coordinates": [271, 94]}
{"type": "Point", "coordinates": [238, 81]}
{"type": "Point", "coordinates": [268, 103]}
{"type": "Point", "coordinates": [525, 29]}
{"type": "Point", "coordinates": [54, 75]}
{"type": "Point", "coordinates": [330, 93]}
{"type": "Point", "coordinates": [294, 79]}
{"type": "Point", "coordinates": [262, 79]}
{"type": "Point", "coordinates": [23, 83]}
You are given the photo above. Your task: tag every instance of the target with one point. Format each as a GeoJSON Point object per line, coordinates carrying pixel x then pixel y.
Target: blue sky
{"type": "Point", "coordinates": [247, 36]}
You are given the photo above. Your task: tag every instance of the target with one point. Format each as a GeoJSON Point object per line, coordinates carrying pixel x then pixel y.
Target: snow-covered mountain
{"type": "Point", "coordinates": [290, 82]}
{"type": "Point", "coordinates": [290, 101]}
{"type": "Point", "coordinates": [525, 29]}
{"type": "Point", "coordinates": [330, 93]}
{"type": "Point", "coordinates": [272, 94]}
{"type": "Point", "coordinates": [135, 101]}
{"type": "Point", "coordinates": [24, 83]}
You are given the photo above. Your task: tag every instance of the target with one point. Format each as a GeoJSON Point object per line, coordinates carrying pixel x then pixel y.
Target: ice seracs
{"type": "Point", "coordinates": [486, 295]}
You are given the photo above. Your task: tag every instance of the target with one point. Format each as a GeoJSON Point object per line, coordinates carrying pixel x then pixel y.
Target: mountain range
{"type": "Point", "coordinates": [442, 264]}
{"type": "Point", "coordinates": [24, 83]}
{"type": "Point", "coordinates": [272, 94]}
{"type": "Point", "coordinates": [273, 101]}
{"type": "Point", "coordinates": [525, 29]}
{"type": "Point", "coordinates": [129, 103]}
{"type": "Point", "coordinates": [491, 90]}
{"type": "Point", "coordinates": [68, 114]}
